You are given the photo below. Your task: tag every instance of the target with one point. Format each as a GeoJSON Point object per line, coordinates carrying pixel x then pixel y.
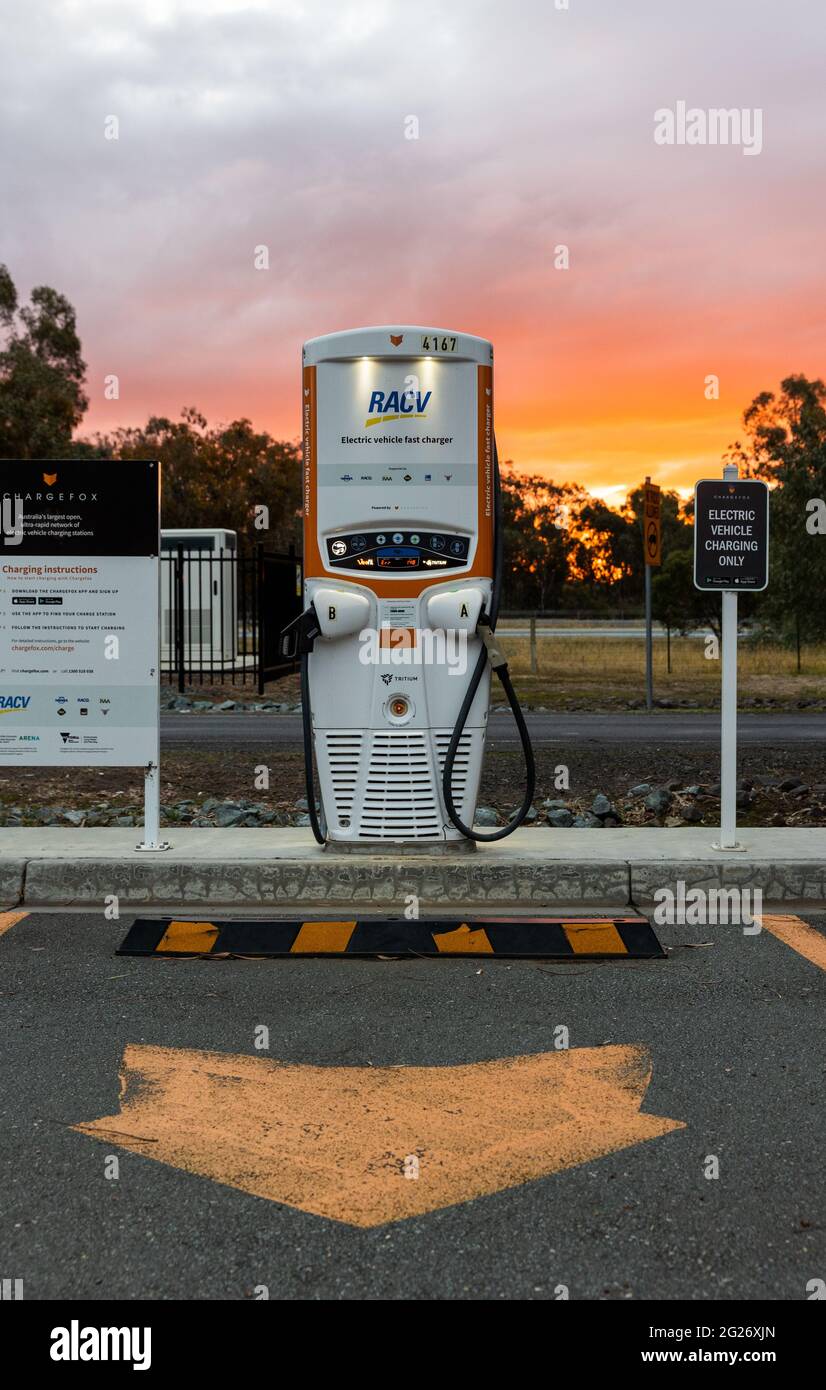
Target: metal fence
{"type": "Point", "coordinates": [577, 615]}
{"type": "Point", "coordinates": [222, 613]}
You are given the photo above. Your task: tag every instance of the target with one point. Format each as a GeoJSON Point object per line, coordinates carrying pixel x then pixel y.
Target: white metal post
{"type": "Point", "coordinates": [152, 799]}
{"type": "Point", "coordinates": [728, 713]}
{"type": "Point", "coordinates": [152, 841]}
{"type": "Point", "coordinates": [151, 808]}
{"type": "Point", "coordinates": [728, 726]}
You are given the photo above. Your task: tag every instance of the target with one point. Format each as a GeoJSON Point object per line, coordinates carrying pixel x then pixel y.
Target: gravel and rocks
{"type": "Point", "coordinates": [218, 785]}
{"type": "Point", "coordinates": [659, 801]}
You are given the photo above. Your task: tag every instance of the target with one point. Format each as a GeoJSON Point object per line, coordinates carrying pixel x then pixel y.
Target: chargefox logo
{"type": "Point", "coordinates": [396, 405]}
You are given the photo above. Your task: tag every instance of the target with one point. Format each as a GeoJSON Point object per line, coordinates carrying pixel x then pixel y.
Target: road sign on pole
{"type": "Point", "coordinates": [731, 554]}
{"type": "Point", "coordinates": [651, 523]}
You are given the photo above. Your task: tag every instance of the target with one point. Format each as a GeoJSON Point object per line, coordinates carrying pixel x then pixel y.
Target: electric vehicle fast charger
{"type": "Point", "coordinates": [403, 544]}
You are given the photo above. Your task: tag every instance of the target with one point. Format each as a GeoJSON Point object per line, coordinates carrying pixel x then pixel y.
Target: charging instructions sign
{"type": "Point", "coordinates": [79, 613]}
{"type": "Point", "coordinates": [731, 535]}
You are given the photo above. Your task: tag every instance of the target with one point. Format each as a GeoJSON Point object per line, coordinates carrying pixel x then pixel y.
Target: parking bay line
{"type": "Point", "coordinates": [797, 934]}
{"type": "Point", "coordinates": [8, 919]}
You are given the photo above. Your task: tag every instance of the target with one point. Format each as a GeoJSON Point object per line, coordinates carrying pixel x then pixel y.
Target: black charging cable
{"type": "Point", "coordinates": [297, 639]}
{"type": "Point", "coordinates": [309, 757]}
{"type": "Point", "coordinates": [485, 629]}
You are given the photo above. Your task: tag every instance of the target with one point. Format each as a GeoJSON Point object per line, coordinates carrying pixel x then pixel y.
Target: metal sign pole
{"type": "Point", "coordinates": [652, 555]}
{"type": "Point", "coordinates": [649, 645]}
{"type": "Point", "coordinates": [728, 712]}
{"type": "Point", "coordinates": [152, 810]}
{"type": "Point", "coordinates": [152, 841]}
{"type": "Point", "coordinates": [152, 804]}
{"type": "Point", "coordinates": [728, 726]}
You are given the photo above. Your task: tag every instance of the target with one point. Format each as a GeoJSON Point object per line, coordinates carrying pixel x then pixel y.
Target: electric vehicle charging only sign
{"type": "Point", "coordinates": [731, 535]}
{"type": "Point", "coordinates": [79, 613]}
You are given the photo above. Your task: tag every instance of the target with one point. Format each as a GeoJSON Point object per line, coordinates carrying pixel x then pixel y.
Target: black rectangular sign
{"type": "Point", "coordinates": [79, 590]}
{"type": "Point", "coordinates": [80, 507]}
{"type": "Point", "coordinates": [731, 535]}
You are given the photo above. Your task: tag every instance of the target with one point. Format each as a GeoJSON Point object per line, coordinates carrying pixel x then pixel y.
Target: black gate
{"type": "Point", "coordinates": [280, 587]}
{"type": "Point", "coordinates": [222, 612]}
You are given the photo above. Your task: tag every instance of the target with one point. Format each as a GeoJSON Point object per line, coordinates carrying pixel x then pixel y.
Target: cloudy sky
{"type": "Point", "coordinates": [244, 123]}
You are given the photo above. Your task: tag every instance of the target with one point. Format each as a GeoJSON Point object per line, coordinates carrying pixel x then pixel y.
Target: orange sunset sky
{"type": "Point", "coordinates": [283, 125]}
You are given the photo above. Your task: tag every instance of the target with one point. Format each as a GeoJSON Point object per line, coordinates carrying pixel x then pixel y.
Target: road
{"type": "Point", "coordinates": [611, 634]}
{"type": "Point", "coordinates": [731, 1031]}
{"type": "Point", "coordinates": [612, 730]}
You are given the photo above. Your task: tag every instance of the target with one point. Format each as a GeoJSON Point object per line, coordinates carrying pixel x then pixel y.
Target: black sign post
{"type": "Point", "coordinates": [731, 556]}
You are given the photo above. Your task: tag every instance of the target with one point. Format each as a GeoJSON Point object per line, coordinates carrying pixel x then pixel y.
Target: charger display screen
{"type": "Point", "coordinates": [401, 550]}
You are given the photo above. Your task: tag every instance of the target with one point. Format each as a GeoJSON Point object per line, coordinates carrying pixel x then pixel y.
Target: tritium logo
{"type": "Point", "coordinates": [76, 1343]}
{"type": "Point", "coordinates": [396, 405]}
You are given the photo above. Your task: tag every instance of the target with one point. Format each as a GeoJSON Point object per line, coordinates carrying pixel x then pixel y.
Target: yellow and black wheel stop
{"type": "Point", "coordinates": [534, 938]}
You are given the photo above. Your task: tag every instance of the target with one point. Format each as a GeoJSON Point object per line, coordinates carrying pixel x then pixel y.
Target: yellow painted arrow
{"type": "Point", "coordinates": [367, 1145]}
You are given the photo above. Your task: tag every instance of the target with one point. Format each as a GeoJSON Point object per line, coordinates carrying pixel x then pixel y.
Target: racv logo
{"type": "Point", "coordinates": [396, 405]}
{"type": "Point", "coordinates": [10, 702]}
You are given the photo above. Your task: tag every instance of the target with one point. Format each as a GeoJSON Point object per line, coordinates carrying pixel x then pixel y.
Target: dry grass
{"type": "Point", "coordinates": [607, 671]}
{"type": "Point", "coordinates": [612, 669]}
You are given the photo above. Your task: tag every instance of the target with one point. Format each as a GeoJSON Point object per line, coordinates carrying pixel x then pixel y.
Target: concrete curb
{"type": "Point", "coordinates": [284, 868]}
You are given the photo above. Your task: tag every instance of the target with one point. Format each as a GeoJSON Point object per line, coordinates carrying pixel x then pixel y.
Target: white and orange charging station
{"type": "Point", "coordinates": [402, 564]}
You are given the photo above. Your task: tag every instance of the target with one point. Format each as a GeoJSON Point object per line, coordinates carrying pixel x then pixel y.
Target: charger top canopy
{"type": "Point", "coordinates": [398, 448]}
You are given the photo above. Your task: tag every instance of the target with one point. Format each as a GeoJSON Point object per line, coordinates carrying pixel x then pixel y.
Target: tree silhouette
{"type": "Point", "coordinates": [42, 373]}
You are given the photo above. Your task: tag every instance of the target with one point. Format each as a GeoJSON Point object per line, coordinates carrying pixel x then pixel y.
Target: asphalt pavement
{"type": "Point", "coordinates": [662, 727]}
{"type": "Point", "coordinates": [731, 1026]}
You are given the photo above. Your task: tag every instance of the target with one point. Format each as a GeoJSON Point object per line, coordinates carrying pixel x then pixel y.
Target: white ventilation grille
{"type": "Point", "coordinates": [461, 767]}
{"type": "Point", "coordinates": [386, 784]}
{"type": "Point", "coordinates": [344, 761]}
{"type": "Point", "coordinates": [400, 800]}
